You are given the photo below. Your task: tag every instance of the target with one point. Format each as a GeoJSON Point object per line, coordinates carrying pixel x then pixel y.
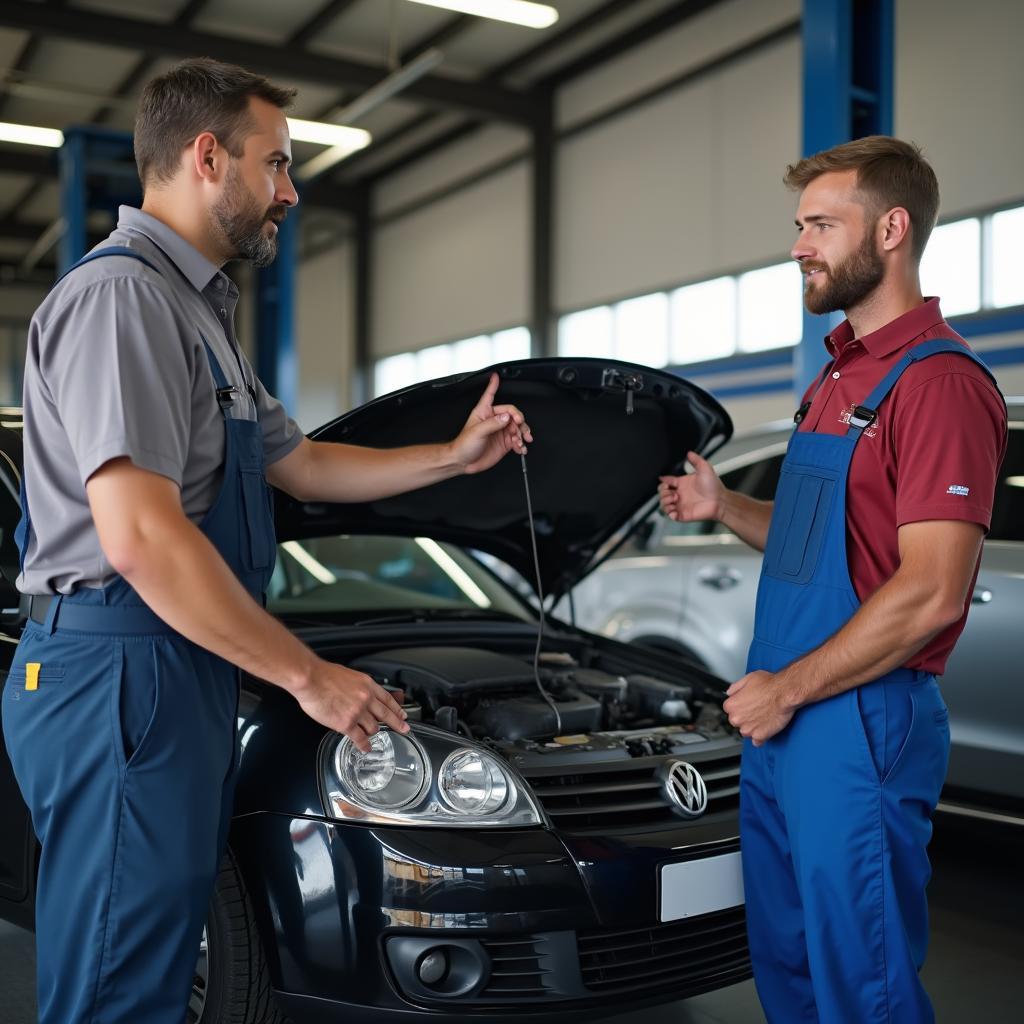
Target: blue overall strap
{"type": "Point", "coordinates": [227, 393]}
{"type": "Point", "coordinates": [110, 250]}
{"type": "Point", "coordinates": [864, 415]}
{"type": "Point", "coordinates": [799, 415]}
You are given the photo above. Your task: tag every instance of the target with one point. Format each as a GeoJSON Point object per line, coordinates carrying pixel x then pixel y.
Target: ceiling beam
{"type": "Point", "coordinates": [623, 41]}
{"type": "Point", "coordinates": [319, 21]}
{"type": "Point", "coordinates": [143, 65]}
{"type": "Point", "coordinates": [445, 34]}
{"type": "Point", "coordinates": [448, 32]}
{"type": "Point", "coordinates": [22, 63]}
{"type": "Point", "coordinates": [20, 230]}
{"type": "Point", "coordinates": [619, 44]}
{"type": "Point", "coordinates": [29, 160]}
{"type": "Point", "coordinates": [40, 276]}
{"type": "Point", "coordinates": [549, 43]}
{"type": "Point", "coordinates": [81, 25]}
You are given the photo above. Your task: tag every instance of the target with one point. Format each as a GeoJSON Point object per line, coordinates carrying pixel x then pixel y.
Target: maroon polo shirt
{"type": "Point", "coordinates": [933, 452]}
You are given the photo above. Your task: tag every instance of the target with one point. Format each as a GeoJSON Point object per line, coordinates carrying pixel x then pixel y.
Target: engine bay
{"type": "Point", "coordinates": [601, 715]}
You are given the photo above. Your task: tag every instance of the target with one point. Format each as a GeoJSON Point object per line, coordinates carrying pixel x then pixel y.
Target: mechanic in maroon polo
{"type": "Point", "coordinates": [872, 547]}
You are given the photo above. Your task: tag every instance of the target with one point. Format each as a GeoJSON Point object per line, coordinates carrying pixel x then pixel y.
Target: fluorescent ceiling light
{"type": "Point", "coordinates": [31, 136]}
{"type": "Point", "coordinates": [326, 134]}
{"type": "Point", "coordinates": [1015, 481]}
{"type": "Point", "coordinates": [518, 12]}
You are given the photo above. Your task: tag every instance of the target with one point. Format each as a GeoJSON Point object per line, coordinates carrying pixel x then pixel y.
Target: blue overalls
{"type": "Point", "coordinates": [835, 811]}
{"type": "Point", "coordinates": [121, 733]}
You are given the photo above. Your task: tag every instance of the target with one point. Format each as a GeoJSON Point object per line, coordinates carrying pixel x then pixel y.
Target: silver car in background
{"type": "Point", "coordinates": [689, 588]}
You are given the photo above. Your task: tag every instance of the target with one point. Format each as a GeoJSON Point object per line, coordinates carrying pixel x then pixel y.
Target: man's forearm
{"type": "Point", "coordinates": [887, 630]}
{"type": "Point", "coordinates": [177, 571]}
{"type": "Point", "coordinates": [748, 518]}
{"type": "Point", "coordinates": [325, 471]}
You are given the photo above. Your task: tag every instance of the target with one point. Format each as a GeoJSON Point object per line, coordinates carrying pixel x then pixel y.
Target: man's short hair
{"type": "Point", "coordinates": [890, 172]}
{"type": "Point", "coordinates": [195, 96]}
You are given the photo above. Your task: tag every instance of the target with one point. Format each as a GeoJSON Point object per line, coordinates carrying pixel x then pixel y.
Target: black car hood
{"type": "Point", "coordinates": [594, 464]}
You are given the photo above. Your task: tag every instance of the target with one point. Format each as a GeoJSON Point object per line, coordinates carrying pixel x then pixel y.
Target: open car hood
{"type": "Point", "coordinates": [604, 431]}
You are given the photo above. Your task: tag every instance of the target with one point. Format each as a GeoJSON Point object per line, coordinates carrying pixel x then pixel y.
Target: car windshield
{"type": "Point", "coordinates": [369, 576]}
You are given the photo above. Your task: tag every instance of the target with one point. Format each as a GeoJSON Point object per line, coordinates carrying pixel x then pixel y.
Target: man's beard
{"type": "Point", "coordinates": [847, 284]}
{"type": "Point", "coordinates": [243, 222]}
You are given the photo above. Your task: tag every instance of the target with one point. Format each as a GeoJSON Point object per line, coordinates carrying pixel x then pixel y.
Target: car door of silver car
{"type": "Point", "coordinates": [984, 680]}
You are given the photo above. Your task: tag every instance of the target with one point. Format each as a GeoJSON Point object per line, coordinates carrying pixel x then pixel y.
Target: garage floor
{"type": "Point", "coordinates": [974, 970]}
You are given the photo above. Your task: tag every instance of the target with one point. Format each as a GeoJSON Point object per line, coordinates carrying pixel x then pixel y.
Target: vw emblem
{"type": "Point", "coordinates": [686, 789]}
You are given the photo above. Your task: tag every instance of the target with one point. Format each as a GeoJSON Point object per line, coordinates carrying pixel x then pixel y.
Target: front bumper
{"type": "Point", "coordinates": [521, 918]}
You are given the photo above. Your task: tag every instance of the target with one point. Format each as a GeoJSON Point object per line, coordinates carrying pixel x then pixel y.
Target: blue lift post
{"type": "Point", "coordinates": [276, 358]}
{"type": "Point", "coordinates": [848, 93]}
{"type": "Point", "coordinates": [97, 172]}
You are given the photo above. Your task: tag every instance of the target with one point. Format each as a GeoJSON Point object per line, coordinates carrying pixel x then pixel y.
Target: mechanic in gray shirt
{"type": "Point", "coordinates": [147, 540]}
{"type": "Point", "coordinates": [96, 391]}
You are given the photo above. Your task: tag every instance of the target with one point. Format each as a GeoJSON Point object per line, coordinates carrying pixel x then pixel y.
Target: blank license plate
{"type": "Point", "coordinates": [695, 887]}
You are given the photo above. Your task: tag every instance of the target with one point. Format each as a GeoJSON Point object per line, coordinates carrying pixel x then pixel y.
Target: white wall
{"type": "Point", "coordinates": [691, 44]}
{"type": "Point", "coordinates": [684, 187]}
{"type": "Point", "coordinates": [752, 411]}
{"type": "Point", "coordinates": [657, 196]}
{"type": "Point", "coordinates": [473, 153]}
{"type": "Point", "coordinates": [681, 188]}
{"type": "Point", "coordinates": [325, 335]}
{"type": "Point", "coordinates": [959, 83]}
{"type": "Point", "coordinates": [455, 268]}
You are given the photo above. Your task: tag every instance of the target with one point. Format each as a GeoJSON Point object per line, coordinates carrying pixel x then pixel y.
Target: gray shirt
{"type": "Point", "coordinates": [116, 367]}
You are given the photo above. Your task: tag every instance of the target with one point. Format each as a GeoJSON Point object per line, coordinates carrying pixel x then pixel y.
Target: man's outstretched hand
{"type": "Point", "coordinates": [695, 496]}
{"type": "Point", "coordinates": [490, 433]}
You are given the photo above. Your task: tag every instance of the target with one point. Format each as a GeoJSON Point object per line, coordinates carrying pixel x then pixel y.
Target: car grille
{"type": "Point", "coordinates": [594, 798]}
{"type": "Point", "coordinates": [688, 956]}
{"type": "Point", "coordinates": [516, 969]}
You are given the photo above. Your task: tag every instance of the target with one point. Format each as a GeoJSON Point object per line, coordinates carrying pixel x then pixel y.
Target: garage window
{"type": "Point", "coordinates": [951, 266]}
{"type": "Point", "coordinates": [395, 372]}
{"type": "Point", "coordinates": [1006, 285]}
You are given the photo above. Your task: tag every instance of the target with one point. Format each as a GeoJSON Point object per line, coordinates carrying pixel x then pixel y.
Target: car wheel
{"type": "Point", "coordinates": [231, 984]}
{"type": "Point", "coordinates": [668, 646]}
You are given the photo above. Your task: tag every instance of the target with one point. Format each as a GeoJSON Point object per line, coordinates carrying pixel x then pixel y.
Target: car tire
{"type": "Point", "coordinates": [237, 984]}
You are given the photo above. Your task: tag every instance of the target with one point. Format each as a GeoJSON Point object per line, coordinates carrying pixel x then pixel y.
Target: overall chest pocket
{"type": "Point", "coordinates": [799, 519]}
{"type": "Point", "coordinates": [259, 518]}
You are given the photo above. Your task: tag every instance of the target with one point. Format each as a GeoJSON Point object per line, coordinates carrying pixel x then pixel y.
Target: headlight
{"type": "Point", "coordinates": [472, 782]}
{"type": "Point", "coordinates": [390, 776]}
{"type": "Point", "coordinates": [425, 777]}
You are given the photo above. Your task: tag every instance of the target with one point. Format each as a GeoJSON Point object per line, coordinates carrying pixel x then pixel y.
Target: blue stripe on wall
{"type": "Point", "coordinates": [978, 325]}
{"type": "Point", "coordinates": [975, 326]}
{"type": "Point", "coordinates": [735, 364]}
{"type": "Point", "coordinates": [745, 390]}
{"type": "Point", "coordinates": [997, 357]}
{"type": "Point", "coordinates": [1003, 356]}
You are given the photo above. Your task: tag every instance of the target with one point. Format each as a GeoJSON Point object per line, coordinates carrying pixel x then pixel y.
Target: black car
{"type": "Point", "coordinates": [558, 833]}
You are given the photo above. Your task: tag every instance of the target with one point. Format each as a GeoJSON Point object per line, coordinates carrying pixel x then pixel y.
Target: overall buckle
{"type": "Point", "coordinates": [226, 397]}
{"type": "Point", "coordinates": [862, 417]}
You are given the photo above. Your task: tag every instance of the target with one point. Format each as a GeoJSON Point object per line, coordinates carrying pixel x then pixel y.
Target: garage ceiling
{"type": "Point", "coordinates": [66, 62]}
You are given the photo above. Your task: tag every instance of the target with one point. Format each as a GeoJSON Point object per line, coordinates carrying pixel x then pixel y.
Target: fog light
{"type": "Point", "coordinates": [432, 966]}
